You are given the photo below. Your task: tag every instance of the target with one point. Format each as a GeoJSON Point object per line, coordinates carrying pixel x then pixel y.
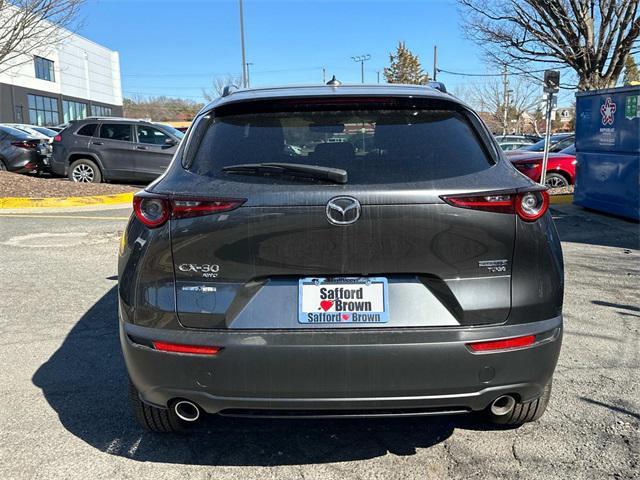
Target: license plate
{"type": "Point", "coordinates": [343, 300]}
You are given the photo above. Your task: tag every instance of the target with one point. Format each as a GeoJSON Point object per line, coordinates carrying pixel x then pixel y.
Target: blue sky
{"type": "Point", "coordinates": [177, 47]}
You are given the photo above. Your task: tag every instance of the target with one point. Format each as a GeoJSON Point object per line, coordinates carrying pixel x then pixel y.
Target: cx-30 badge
{"type": "Point", "coordinates": [343, 210]}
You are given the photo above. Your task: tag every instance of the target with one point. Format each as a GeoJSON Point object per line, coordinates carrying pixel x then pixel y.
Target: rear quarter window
{"type": "Point", "coordinates": [88, 130]}
{"type": "Point", "coordinates": [373, 146]}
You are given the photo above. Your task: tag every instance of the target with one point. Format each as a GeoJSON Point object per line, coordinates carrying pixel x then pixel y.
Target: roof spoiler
{"type": "Point", "coordinates": [438, 86]}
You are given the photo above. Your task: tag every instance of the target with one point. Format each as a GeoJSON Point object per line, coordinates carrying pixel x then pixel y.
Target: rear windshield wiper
{"type": "Point", "coordinates": [336, 175]}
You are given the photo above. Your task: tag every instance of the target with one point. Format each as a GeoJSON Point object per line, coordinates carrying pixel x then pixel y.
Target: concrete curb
{"type": "Point", "coordinates": [63, 202]}
{"type": "Point", "coordinates": [561, 199]}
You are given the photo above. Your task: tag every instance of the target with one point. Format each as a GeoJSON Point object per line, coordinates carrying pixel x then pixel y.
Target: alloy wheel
{"type": "Point", "coordinates": [555, 182]}
{"type": "Point", "coordinates": [83, 173]}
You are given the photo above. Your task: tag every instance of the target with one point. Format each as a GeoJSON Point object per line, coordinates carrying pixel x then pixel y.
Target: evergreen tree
{"type": "Point", "coordinates": [631, 73]}
{"type": "Point", "coordinates": [404, 67]}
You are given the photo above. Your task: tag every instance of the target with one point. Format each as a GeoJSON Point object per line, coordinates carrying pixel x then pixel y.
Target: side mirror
{"type": "Point", "coordinates": [170, 142]}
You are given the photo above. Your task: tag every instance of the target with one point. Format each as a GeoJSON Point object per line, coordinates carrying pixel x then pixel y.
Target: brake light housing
{"type": "Point", "coordinates": [154, 210]}
{"type": "Point", "coordinates": [26, 144]}
{"type": "Point", "coordinates": [528, 205]}
{"type": "Point", "coordinates": [504, 344]}
{"type": "Point", "coordinates": [183, 348]}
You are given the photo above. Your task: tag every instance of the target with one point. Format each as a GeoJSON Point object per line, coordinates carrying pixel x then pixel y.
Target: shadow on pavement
{"type": "Point", "coordinates": [579, 225]}
{"type": "Point", "coordinates": [85, 382]}
{"type": "Point", "coordinates": [614, 408]}
{"type": "Point", "coordinates": [602, 303]}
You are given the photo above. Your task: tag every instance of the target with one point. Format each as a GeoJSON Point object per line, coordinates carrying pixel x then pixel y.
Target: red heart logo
{"type": "Point", "coordinates": [345, 316]}
{"type": "Point", "coordinates": [326, 305]}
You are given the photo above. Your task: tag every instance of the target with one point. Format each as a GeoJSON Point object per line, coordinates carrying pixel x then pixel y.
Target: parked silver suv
{"type": "Point", "coordinates": [104, 149]}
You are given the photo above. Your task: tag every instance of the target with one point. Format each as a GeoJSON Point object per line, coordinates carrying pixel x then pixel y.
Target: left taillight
{"type": "Point", "coordinates": [529, 205]}
{"type": "Point", "coordinates": [151, 211]}
{"type": "Point", "coordinates": [154, 210]}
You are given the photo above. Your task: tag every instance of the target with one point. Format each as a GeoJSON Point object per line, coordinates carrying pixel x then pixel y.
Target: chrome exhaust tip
{"type": "Point", "coordinates": [503, 405]}
{"type": "Point", "coordinates": [187, 411]}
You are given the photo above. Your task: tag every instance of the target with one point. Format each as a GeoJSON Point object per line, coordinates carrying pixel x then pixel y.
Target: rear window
{"type": "Point", "coordinates": [373, 146]}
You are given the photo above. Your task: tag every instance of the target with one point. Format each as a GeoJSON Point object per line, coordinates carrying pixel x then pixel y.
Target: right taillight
{"type": "Point", "coordinates": [529, 205]}
{"type": "Point", "coordinates": [57, 138]}
{"type": "Point", "coordinates": [154, 210]}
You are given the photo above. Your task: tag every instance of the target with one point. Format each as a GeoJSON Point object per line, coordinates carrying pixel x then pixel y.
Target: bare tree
{"type": "Point", "coordinates": [161, 108]}
{"type": "Point", "coordinates": [524, 97]}
{"type": "Point", "coordinates": [592, 37]}
{"type": "Point", "coordinates": [28, 26]}
{"type": "Point", "coordinates": [219, 84]}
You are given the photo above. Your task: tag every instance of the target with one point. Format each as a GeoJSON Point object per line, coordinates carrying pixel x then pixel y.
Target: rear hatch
{"type": "Point", "coordinates": [262, 259]}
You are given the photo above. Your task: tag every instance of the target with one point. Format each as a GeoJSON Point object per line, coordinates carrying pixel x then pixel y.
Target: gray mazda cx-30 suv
{"type": "Point", "coordinates": [339, 251]}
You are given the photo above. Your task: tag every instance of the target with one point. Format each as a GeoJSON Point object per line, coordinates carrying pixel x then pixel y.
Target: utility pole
{"type": "Point", "coordinates": [248, 85]}
{"type": "Point", "coordinates": [505, 98]}
{"type": "Point", "coordinates": [324, 75]}
{"type": "Point", "coordinates": [361, 59]}
{"type": "Point", "coordinates": [435, 63]}
{"type": "Point", "coordinates": [245, 82]}
{"type": "Point", "coordinates": [378, 73]}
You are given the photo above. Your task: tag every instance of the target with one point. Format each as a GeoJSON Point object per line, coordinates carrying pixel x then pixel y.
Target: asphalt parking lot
{"type": "Point", "coordinates": [64, 411]}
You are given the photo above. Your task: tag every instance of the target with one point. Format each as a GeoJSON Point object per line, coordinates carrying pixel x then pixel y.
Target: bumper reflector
{"type": "Point", "coordinates": [179, 348]}
{"type": "Point", "coordinates": [505, 344]}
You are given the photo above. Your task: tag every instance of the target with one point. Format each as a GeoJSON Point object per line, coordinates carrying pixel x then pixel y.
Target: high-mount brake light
{"type": "Point", "coordinates": [181, 348]}
{"type": "Point", "coordinates": [155, 210]}
{"type": "Point", "coordinates": [506, 344]}
{"type": "Point", "coordinates": [529, 206]}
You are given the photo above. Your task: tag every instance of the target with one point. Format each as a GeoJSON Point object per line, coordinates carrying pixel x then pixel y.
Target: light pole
{"type": "Point", "coordinates": [245, 82]}
{"type": "Point", "coordinates": [361, 59]}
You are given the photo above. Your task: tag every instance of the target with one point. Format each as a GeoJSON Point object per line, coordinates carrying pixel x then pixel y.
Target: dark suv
{"type": "Point", "coordinates": [340, 251]}
{"type": "Point", "coordinates": [104, 149]}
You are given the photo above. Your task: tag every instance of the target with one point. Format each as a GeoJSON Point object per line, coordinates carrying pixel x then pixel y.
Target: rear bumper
{"type": "Point", "coordinates": [357, 371]}
{"type": "Point", "coordinates": [59, 159]}
{"type": "Point", "coordinates": [24, 162]}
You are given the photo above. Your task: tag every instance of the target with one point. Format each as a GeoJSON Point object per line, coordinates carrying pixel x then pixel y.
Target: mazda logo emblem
{"type": "Point", "coordinates": [343, 210]}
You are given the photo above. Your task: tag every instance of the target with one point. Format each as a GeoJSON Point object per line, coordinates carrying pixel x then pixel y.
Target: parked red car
{"type": "Point", "coordinates": [561, 166]}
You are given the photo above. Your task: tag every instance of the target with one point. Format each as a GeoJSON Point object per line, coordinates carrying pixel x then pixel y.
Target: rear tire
{"type": "Point", "coordinates": [85, 171]}
{"type": "Point", "coordinates": [3, 167]}
{"type": "Point", "coordinates": [152, 418]}
{"type": "Point", "coordinates": [556, 180]}
{"type": "Point", "coordinates": [524, 412]}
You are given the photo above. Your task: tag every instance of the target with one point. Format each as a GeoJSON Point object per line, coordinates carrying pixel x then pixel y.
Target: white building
{"type": "Point", "coordinates": [73, 80]}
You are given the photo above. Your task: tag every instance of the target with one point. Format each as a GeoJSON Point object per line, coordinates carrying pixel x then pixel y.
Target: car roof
{"type": "Point", "coordinates": [382, 90]}
{"type": "Point", "coordinates": [16, 132]}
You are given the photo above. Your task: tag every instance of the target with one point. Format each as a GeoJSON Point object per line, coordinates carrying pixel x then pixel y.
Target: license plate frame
{"type": "Point", "coordinates": [363, 310]}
